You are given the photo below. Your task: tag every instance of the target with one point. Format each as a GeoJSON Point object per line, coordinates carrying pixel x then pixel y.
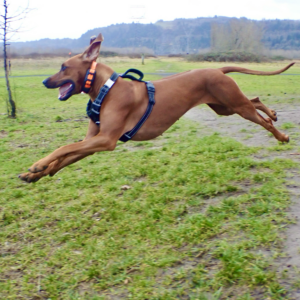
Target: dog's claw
{"type": "Point", "coordinates": [22, 177]}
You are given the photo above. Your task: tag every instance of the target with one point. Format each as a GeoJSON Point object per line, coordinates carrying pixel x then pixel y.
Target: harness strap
{"type": "Point", "coordinates": [93, 108]}
{"type": "Point", "coordinates": [129, 134]}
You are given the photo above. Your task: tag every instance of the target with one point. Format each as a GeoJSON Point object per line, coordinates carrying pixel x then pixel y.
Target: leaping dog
{"type": "Point", "coordinates": [126, 103]}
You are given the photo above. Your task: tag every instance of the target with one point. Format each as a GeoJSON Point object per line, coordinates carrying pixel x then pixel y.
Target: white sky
{"type": "Point", "coordinates": [72, 18]}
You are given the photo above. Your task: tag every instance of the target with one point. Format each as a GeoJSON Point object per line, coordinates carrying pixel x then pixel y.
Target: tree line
{"type": "Point", "coordinates": [180, 36]}
{"type": "Point", "coordinates": [183, 36]}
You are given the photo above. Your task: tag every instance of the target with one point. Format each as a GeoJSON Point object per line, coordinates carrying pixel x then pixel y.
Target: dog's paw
{"type": "Point", "coordinates": [37, 167]}
{"type": "Point", "coordinates": [30, 177]}
{"type": "Point", "coordinates": [284, 138]}
{"type": "Point", "coordinates": [287, 138]}
{"type": "Point", "coordinates": [274, 115]}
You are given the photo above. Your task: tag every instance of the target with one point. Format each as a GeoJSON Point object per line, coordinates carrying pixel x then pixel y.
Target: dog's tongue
{"type": "Point", "coordinates": [63, 90]}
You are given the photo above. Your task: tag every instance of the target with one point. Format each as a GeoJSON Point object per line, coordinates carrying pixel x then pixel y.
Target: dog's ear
{"type": "Point", "coordinates": [92, 52]}
{"type": "Point", "coordinates": [92, 38]}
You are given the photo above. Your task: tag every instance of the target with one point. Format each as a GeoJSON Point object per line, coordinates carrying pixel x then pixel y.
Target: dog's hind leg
{"type": "Point", "coordinates": [221, 109]}
{"type": "Point", "coordinates": [248, 111]}
{"type": "Point", "coordinates": [227, 111]}
{"type": "Point", "coordinates": [259, 105]}
{"type": "Point", "coordinates": [224, 90]}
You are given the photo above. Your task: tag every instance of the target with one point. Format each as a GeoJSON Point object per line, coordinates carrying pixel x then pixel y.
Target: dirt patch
{"type": "Point", "coordinates": [3, 134]}
{"type": "Point", "coordinates": [252, 134]}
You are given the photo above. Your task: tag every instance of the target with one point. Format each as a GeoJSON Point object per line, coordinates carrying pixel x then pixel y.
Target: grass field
{"type": "Point", "coordinates": [202, 217]}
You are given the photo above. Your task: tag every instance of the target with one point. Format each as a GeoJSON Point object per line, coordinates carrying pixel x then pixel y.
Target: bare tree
{"type": "Point", "coordinates": [7, 32]}
{"type": "Point", "coordinates": [186, 27]}
{"type": "Point", "coordinates": [237, 35]}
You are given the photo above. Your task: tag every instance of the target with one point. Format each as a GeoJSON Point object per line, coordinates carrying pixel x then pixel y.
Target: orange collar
{"type": "Point", "coordinates": [89, 78]}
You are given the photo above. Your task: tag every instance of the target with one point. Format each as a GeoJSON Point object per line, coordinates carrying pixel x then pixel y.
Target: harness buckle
{"type": "Point", "coordinates": [150, 87]}
{"type": "Point", "coordinates": [109, 83]}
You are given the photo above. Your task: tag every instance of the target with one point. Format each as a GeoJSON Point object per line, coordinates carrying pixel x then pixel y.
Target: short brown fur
{"type": "Point", "coordinates": [127, 101]}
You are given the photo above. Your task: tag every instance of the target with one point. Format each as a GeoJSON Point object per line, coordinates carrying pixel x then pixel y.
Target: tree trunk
{"type": "Point", "coordinates": [11, 103]}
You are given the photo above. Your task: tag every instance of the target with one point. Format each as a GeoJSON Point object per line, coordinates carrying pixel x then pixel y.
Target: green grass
{"type": "Point", "coordinates": [288, 125]}
{"type": "Point", "coordinates": [195, 224]}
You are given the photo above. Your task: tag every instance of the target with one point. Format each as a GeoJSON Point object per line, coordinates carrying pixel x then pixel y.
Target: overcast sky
{"type": "Point", "coordinates": [66, 18]}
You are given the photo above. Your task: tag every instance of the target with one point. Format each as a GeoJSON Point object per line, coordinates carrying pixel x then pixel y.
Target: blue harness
{"type": "Point", "coordinates": [93, 108]}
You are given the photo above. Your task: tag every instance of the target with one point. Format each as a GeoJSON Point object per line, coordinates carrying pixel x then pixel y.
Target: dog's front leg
{"type": "Point", "coordinates": [87, 147]}
{"type": "Point", "coordinates": [112, 127]}
{"type": "Point", "coordinates": [62, 162]}
{"type": "Point", "coordinates": [53, 168]}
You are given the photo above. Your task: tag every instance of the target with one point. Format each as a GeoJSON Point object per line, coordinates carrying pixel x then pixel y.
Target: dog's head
{"type": "Point", "coordinates": [71, 76]}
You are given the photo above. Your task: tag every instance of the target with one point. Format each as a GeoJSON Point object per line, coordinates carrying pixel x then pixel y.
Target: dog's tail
{"type": "Point", "coordinates": [226, 70]}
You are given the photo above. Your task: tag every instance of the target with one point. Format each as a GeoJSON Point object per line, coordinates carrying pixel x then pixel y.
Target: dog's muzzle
{"type": "Point", "coordinates": [65, 88]}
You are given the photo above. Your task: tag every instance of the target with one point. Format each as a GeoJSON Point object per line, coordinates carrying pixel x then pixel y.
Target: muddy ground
{"type": "Point", "coordinates": [251, 134]}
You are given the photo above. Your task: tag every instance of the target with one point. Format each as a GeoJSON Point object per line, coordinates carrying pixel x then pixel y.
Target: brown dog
{"type": "Point", "coordinates": [127, 101]}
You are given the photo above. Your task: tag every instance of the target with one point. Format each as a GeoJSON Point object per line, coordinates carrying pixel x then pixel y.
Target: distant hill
{"type": "Point", "coordinates": [166, 37]}
{"type": "Point", "coordinates": [282, 34]}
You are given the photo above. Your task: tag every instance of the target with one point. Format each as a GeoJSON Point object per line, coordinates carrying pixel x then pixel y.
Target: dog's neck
{"type": "Point", "coordinates": [103, 73]}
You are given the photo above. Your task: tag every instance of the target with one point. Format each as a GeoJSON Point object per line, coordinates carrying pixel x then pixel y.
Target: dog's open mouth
{"type": "Point", "coordinates": [65, 91]}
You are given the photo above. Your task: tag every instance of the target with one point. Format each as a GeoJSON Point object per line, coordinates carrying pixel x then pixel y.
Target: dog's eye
{"type": "Point", "coordinates": [63, 68]}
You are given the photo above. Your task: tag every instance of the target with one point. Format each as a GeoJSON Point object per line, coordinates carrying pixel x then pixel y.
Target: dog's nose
{"type": "Point", "coordinates": [46, 82]}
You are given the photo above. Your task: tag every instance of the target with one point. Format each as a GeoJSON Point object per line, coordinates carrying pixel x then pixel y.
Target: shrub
{"type": "Point", "coordinates": [228, 56]}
